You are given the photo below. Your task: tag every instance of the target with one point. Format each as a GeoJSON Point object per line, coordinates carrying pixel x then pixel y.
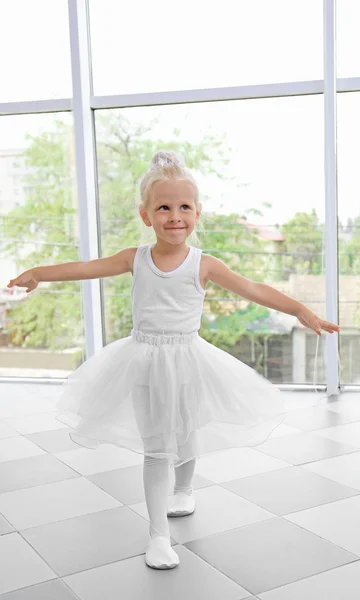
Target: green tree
{"type": "Point", "coordinates": [349, 260]}
{"type": "Point", "coordinates": [303, 244]}
{"type": "Point", "coordinates": [350, 255]}
{"type": "Point", "coordinates": [42, 232]}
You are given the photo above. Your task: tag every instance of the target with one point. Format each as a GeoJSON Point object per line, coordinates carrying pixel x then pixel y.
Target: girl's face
{"type": "Point", "coordinates": [172, 211]}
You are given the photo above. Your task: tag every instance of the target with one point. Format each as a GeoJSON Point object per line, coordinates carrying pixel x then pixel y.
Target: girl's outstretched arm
{"type": "Point", "coordinates": [117, 264]}
{"type": "Point", "coordinates": [261, 293]}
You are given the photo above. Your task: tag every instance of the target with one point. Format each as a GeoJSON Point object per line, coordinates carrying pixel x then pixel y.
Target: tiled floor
{"type": "Point", "coordinates": [277, 522]}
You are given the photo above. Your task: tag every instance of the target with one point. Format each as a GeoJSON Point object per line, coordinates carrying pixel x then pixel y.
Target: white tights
{"type": "Point", "coordinates": [156, 486]}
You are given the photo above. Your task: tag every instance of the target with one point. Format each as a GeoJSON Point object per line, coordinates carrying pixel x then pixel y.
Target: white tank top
{"type": "Point", "coordinates": [166, 301]}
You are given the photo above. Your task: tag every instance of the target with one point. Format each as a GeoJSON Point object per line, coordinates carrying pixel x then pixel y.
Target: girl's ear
{"type": "Point", "coordinates": [144, 215]}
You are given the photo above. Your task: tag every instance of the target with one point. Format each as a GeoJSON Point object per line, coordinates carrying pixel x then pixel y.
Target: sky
{"type": "Point", "coordinates": [275, 146]}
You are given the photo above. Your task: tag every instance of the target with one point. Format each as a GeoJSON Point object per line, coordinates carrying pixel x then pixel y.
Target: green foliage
{"type": "Point", "coordinates": [350, 255]}
{"type": "Point", "coordinates": [226, 330]}
{"type": "Point", "coordinates": [42, 232]}
{"type": "Point", "coordinates": [304, 243]}
{"type": "Point", "coordinates": [349, 259]}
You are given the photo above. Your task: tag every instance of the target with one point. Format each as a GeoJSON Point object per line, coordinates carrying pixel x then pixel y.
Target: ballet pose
{"type": "Point", "coordinates": [164, 391]}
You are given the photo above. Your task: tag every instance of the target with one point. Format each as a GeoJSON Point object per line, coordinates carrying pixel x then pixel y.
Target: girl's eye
{"type": "Point", "coordinates": [168, 207]}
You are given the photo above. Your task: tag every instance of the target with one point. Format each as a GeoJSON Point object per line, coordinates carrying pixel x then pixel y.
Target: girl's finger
{"type": "Point", "coordinates": [329, 329]}
{"type": "Point", "coordinates": [329, 326]}
{"type": "Point", "coordinates": [317, 328]}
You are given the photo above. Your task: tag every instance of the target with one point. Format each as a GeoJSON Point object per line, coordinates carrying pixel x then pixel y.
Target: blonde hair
{"type": "Point", "coordinates": [166, 165]}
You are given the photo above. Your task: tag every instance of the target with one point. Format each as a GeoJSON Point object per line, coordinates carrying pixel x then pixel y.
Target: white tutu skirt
{"type": "Point", "coordinates": [168, 396]}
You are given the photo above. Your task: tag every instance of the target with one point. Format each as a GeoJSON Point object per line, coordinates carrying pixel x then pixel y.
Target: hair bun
{"type": "Point", "coordinates": [167, 158]}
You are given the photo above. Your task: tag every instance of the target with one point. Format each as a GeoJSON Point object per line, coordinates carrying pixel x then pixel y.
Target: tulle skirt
{"type": "Point", "coordinates": [168, 396]}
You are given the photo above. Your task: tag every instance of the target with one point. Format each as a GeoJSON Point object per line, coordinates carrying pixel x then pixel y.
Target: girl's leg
{"type": "Point", "coordinates": [184, 475]}
{"type": "Point", "coordinates": [159, 553]}
{"type": "Point", "coordinates": [156, 485]}
{"type": "Point", "coordinates": [182, 503]}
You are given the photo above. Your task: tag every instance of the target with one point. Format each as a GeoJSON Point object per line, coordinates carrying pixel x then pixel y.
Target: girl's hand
{"type": "Point", "coordinates": [307, 318]}
{"type": "Point", "coordinates": [26, 279]}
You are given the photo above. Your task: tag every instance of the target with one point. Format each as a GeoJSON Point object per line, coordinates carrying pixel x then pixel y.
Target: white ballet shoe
{"type": "Point", "coordinates": [160, 555]}
{"type": "Point", "coordinates": [180, 505]}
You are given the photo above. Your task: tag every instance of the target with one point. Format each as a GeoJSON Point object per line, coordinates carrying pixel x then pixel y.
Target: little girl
{"type": "Point", "coordinates": [164, 391]}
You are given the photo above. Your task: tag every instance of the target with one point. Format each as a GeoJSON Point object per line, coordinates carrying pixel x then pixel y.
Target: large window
{"type": "Point", "coordinates": [151, 47]}
{"type": "Point", "coordinates": [349, 235]}
{"type": "Point", "coordinates": [260, 171]}
{"type": "Point", "coordinates": [41, 333]}
{"type": "Point", "coordinates": [257, 151]}
{"type": "Point", "coordinates": [348, 42]}
{"type": "Point", "coordinates": [34, 50]}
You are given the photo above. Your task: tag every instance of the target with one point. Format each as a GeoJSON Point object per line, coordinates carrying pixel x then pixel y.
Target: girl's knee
{"type": "Point", "coordinates": [152, 460]}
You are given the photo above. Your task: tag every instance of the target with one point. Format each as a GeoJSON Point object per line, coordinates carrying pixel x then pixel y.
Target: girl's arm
{"type": "Point", "coordinates": [261, 293]}
{"type": "Point", "coordinates": [117, 264]}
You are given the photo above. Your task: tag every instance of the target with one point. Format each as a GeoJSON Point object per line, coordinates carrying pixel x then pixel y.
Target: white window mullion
{"type": "Point", "coordinates": [85, 168]}
{"type": "Point", "coordinates": [331, 245]}
{"type": "Point", "coordinates": [28, 107]}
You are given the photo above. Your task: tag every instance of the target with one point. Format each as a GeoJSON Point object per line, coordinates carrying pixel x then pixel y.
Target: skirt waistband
{"type": "Point", "coordinates": [158, 339]}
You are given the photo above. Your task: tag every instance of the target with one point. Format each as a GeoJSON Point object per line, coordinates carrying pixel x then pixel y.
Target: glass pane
{"type": "Point", "coordinates": [41, 333]}
{"type": "Point", "coordinates": [348, 41]}
{"type": "Point", "coordinates": [259, 166]}
{"type": "Point", "coordinates": [349, 235]}
{"type": "Point", "coordinates": [35, 50]}
{"type": "Point", "coordinates": [203, 44]}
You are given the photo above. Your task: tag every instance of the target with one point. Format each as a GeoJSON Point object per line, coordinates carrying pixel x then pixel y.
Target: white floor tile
{"type": "Point", "coordinates": [105, 458]}
{"type": "Point", "coordinates": [350, 405]}
{"type": "Point", "coordinates": [6, 431]}
{"type": "Point", "coordinates": [20, 565]}
{"type": "Point", "coordinates": [235, 463]}
{"type": "Point", "coordinates": [18, 407]}
{"type": "Point", "coordinates": [131, 579]}
{"type": "Point", "coordinates": [283, 430]}
{"type": "Point", "coordinates": [35, 423]}
{"type": "Point", "coordinates": [54, 502]}
{"type": "Point", "coordinates": [346, 434]}
{"type": "Point", "coordinates": [18, 447]}
{"type": "Point", "coordinates": [343, 469]}
{"type": "Point", "coordinates": [338, 522]}
{"type": "Point", "coordinates": [342, 583]}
